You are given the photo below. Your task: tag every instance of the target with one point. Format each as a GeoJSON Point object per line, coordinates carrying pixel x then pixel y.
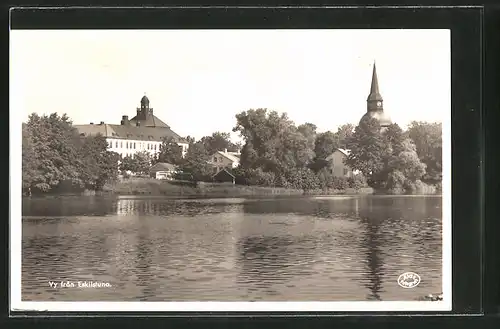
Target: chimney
{"type": "Point", "coordinates": [91, 123]}
{"type": "Point", "coordinates": [125, 121]}
{"type": "Point", "coordinates": [102, 122]}
{"type": "Point", "coordinates": [225, 150]}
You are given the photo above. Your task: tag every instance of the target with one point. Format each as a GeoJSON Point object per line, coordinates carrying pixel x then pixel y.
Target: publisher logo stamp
{"type": "Point", "coordinates": [409, 280]}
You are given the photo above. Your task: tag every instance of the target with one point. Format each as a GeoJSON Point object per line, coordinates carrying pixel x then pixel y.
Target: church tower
{"type": "Point", "coordinates": [375, 102]}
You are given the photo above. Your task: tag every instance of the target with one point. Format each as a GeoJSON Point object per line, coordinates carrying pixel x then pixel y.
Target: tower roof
{"type": "Point", "coordinates": [144, 100]}
{"type": "Point", "coordinates": [374, 91]}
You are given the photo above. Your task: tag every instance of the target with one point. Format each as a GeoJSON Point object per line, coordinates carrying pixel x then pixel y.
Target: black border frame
{"type": "Point", "coordinates": [467, 137]}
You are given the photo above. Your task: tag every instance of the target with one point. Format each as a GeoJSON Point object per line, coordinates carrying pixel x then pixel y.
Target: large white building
{"type": "Point", "coordinates": [144, 132]}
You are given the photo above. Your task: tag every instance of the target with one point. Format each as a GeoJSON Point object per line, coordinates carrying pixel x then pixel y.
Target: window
{"type": "Point", "coordinates": [121, 145]}
{"type": "Point", "coordinates": [116, 144]}
{"type": "Point", "coordinates": [155, 147]}
{"type": "Point", "coordinates": [134, 145]}
{"type": "Point", "coordinates": [215, 159]}
{"type": "Point", "coordinates": [345, 171]}
{"type": "Point", "coordinates": [148, 146]}
{"type": "Point", "coordinates": [126, 145]}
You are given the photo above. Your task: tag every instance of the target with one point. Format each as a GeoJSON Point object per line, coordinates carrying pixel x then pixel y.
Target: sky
{"type": "Point", "coordinates": [198, 80]}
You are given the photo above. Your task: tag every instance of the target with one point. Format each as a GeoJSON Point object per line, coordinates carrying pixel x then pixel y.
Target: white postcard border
{"type": "Point", "coordinates": [16, 304]}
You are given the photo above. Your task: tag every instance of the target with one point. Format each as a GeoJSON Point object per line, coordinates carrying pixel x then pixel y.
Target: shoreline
{"type": "Point", "coordinates": [188, 190]}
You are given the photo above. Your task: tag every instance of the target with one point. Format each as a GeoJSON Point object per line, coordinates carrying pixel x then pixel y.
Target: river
{"type": "Point", "coordinates": [297, 249]}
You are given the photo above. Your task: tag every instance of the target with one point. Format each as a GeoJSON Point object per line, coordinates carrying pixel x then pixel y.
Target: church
{"type": "Point", "coordinates": [375, 103]}
{"type": "Point", "coordinates": [374, 109]}
{"type": "Point", "coordinates": [144, 132]}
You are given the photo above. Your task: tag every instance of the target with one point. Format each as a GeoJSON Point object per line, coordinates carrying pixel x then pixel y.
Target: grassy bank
{"type": "Point", "coordinates": [143, 186]}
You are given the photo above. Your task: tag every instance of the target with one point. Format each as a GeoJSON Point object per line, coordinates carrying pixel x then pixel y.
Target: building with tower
{"type": "Point", "coordinates": [144, 132]}
{"type": "Point", "coordinates": [374, 109]}
{"type": "Point", "coordinates": [375, 103]}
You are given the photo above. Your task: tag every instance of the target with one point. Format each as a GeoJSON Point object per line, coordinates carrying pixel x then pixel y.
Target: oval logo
{"type": "Point", "coordinates": [409, 280]}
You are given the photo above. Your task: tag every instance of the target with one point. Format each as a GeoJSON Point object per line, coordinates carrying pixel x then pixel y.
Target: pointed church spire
{"type": "Point", "coordinates": [374, 91]}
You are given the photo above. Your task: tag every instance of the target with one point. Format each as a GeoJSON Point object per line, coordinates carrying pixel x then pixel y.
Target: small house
{"type": "Point", "coordinates": [163, 170]}
{"type": "Point", "coordinates": [336, 164]}
{"type": "Point", "coordinates": [224, 159]}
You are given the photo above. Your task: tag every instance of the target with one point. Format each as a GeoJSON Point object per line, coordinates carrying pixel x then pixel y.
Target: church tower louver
{"type": "Point", "coordinates": [375, 102]}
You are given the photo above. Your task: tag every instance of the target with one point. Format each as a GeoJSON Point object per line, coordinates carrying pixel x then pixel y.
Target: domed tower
{"type": "Point", "coordinates": [144, 102]}
{"type": "Point", "coordinates": [375, 103]}
{"type": "Point", "coordinates": [144, 111]}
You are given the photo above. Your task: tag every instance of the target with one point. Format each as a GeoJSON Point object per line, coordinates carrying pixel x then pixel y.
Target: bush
{"type": "Point", "coordinates": [419, 187]}
{"type": "Point", "coordinates": [357, 181]}
{"type": "Point", "coordinates": [340, 183]}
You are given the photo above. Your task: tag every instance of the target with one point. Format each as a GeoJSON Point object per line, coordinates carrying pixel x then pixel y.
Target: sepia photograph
{"type": "Point", "coordinates": [230, 170]}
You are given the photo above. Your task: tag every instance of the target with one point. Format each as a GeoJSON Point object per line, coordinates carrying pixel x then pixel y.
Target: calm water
{"type": "Point", "coordinates": [304, 249]}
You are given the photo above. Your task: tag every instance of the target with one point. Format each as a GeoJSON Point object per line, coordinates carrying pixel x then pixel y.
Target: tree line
{"type": "Point", "coordinates": [275, 152]}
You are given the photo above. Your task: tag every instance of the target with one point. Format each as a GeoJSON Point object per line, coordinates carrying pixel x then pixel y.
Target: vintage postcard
{"type": "Point", "coordinates": [230, 170]}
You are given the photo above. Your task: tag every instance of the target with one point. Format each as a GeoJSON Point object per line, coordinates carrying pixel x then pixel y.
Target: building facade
{"type": "Point", "coordinates": [144, 132]}
{"type": "Point", "coordinates": [224, 159]}
{"type": "Point", "coordinates": [336, 165]}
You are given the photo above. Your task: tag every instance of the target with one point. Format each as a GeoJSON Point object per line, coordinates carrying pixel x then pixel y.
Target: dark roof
{"type": "Point", "coordinates": [151, 121]}
{"type": "Point", "coordinates": [374, 92]}
{"type": "Point", "coordinates": [383, 119]}
{"type": "Point", "coordinates": [225, 171]}
{"type": "Point", "coordinates": [129, 132]}
{"type": "Point", "coordinates": [163, 166]}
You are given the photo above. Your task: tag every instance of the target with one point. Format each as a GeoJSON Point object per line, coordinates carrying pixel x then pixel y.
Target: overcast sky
{"type": "Point", "coordinates": [197, 80]}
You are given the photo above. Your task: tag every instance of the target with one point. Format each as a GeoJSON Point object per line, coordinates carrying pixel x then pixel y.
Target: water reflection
{"type": "Point", "coordinates": [348, 248]}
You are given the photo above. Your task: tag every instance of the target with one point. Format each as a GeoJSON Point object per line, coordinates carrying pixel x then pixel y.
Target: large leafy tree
{"type": "Point", "coordinates": [369, 151]}
{"type": "Point", "coordinates": [196, 162]}
{"type": "Point", "coordinates": [344, 134]}
{"type": "Point", "coordinates": [170, 152]}
{"type": "Point", "coordinates": [97, 165]}
{"type": "Point", "coordinates": [29, 161]}
{"type": "Point", "coordinates": [143, 162]}
{"type": "Point", "coordinates": [273, 143]}
{"type": "Point", "coordinates": [55, 143]}
{"type": "Point", "coordinates": [427, 138]}
{"type": "Point", "coordinates": [128, 163]}
{"type": "Point", "coordinates": [54, 153]}
{"type": "Point", "coordinates": [324, 145]}
{"type": "Point", "coordinates": [219, 141]}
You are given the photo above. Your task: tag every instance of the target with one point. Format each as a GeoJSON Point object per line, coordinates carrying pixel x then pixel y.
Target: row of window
{"type": "Point", "coordinates": [134, 145]}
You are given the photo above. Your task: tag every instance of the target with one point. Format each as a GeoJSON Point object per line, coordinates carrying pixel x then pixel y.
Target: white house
{"type": "Point", "coordinates": [336, 164]}
{"type": "Point", "coordinates": [224, 159]}
{"type": "Point", "coordinates": [144, 132]}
